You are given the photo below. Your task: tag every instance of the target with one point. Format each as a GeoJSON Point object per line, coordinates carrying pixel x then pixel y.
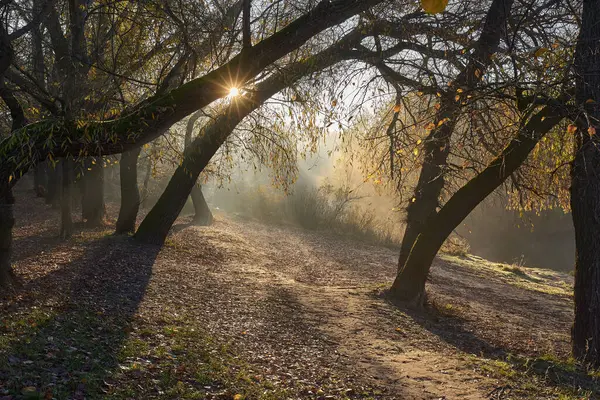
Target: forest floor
{"type": "Point", "coordinates": [244, 310]}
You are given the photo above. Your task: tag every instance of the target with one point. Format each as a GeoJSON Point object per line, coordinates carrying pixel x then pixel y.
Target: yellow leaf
{"type": "Point", "coordinates": [29, 391]}
{"type": "Point", "coordinates": [419, 141]}
{"type": "Point", "coordinates": [238, 397]}
{"type": "Point", "coordinates": [540, 52]}
{"type": "Point", "coordinates": [434, 6]}
{"type": "Point", "coordinates": [397, 108]}
{"type": "Point", "coordinates": [10, 178]}
{"type": "Point", "coordinates": [430, 126]}
{"type": "Point", "coordinates": [416, 152]}
{"type": "Point", "coordinates": [333, 103]}
{"type": "Point", "coordinates": [592, 130]}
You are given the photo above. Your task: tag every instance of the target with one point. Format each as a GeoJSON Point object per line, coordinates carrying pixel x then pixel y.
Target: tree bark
{"type": "Point", "coordinates": [7, 221]}
{"type": "Point", "coordinates": [92, 195]}
{"type": "Point", "coordinates": [66, 203]}
{"type": "Point", "coordinates": [585, 189]}
{"type": "Point", "coordinates": [7, 200]}
{"type": "Point", "coordinates": [436, 146]}
{"type": "Point", "coordinates": [146, 184]}
{"type": "Point", "coordinates": [130, 193]}
{"type": "Point", "coordinates": [409, 285]}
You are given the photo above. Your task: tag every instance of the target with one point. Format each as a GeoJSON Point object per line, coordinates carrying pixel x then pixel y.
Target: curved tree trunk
{"type": "Point", "coordinates": [92, 195]}
{"type": "Point", "coordinates": [585, 190]}
{"type": "Point", "coordinates": [130, 193]}
{"type": "Point", "coordinates": [425, 200]}
{"type": "Point", "coordinates": [155, 227]}
{"type": "Point", "coordinates": [409, 285]}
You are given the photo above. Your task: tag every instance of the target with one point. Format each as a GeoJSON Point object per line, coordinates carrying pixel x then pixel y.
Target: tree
{"type": "Point", "coordinates": [409, 285]}
{"type": "Point", "coordinates": [155, 227]}
{"type": "Point", "coordinates": [436, 150]}
{"type": "Point", "coordinates": [219, 25]}
{"type": "Point", "coordinates": [18, 122]}
{"type": "Point", "coordinates": [53, 138]}
{"type": "Point", "coordinates": [585, 188]}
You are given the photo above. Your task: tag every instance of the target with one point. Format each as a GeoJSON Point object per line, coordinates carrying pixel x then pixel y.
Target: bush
{"type": "Point", "coordinates": [335, 209]}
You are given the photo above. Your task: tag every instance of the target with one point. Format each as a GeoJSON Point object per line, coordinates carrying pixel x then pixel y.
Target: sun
{"type": "Point", "coordinates": [233, 92]}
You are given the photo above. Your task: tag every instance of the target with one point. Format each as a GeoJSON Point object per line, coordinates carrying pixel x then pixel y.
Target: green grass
{"type": "Point", "coordinates": [534, 279]}
{"type": "Point", "coordinates": [181, 361]}
{"type": "Point", "coordinates": [47, 354]}
{"type": "Point", "coordinates": [547, 375]}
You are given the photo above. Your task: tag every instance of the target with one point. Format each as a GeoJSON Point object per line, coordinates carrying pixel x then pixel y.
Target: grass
{"type": "Point", "coordinates": [564, 378]}
{"type": "Point", "coordinates": [329, 208]}
{"type": "Point", "coordinates": [534, 279]}
{"type": "Point", "coordinates": [45, 354]}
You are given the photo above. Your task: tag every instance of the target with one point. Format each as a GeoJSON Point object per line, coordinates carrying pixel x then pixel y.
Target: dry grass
{"type": "Point", "coordinates": [324, 208]}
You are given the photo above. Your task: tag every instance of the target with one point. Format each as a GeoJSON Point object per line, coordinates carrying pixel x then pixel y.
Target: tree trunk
{"type": "Point", "coordinates": [202, 214]}
{"type": "Point", "coordinates": [7, 221]}
{"type": "Point", "coordinates": [155, 227]}
{"type": "Point", "coordinates": [436, 149]}
{"type": "Point", "coordinates": [145, 186]}
{"type": "Point", "coordinates": [409, 285]}
{"type": "Point", "coordinates": [66, 203]}
{"type": "Point", "coordinates": [92, 196]}
{"type": "Point", "coordinates": [40, 179]}
{"type": "Point", "coordinates": [431, 182]}
{"type": "Point", "coordinates": [585, 190]}
{"type": "Point", "coordinates": [130, 193]}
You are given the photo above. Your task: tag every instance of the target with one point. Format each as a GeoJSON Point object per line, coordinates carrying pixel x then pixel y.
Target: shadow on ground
{"type": "Point", "coordinates": [66, 350]}
{"type": "Point", "coordinates": [454, 330]}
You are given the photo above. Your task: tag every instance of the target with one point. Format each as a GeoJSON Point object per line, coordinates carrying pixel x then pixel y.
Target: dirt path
{"type": "Point", "coordinates": [300, 309]}
{"type": "Point", "coordinates": [333, 283]}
